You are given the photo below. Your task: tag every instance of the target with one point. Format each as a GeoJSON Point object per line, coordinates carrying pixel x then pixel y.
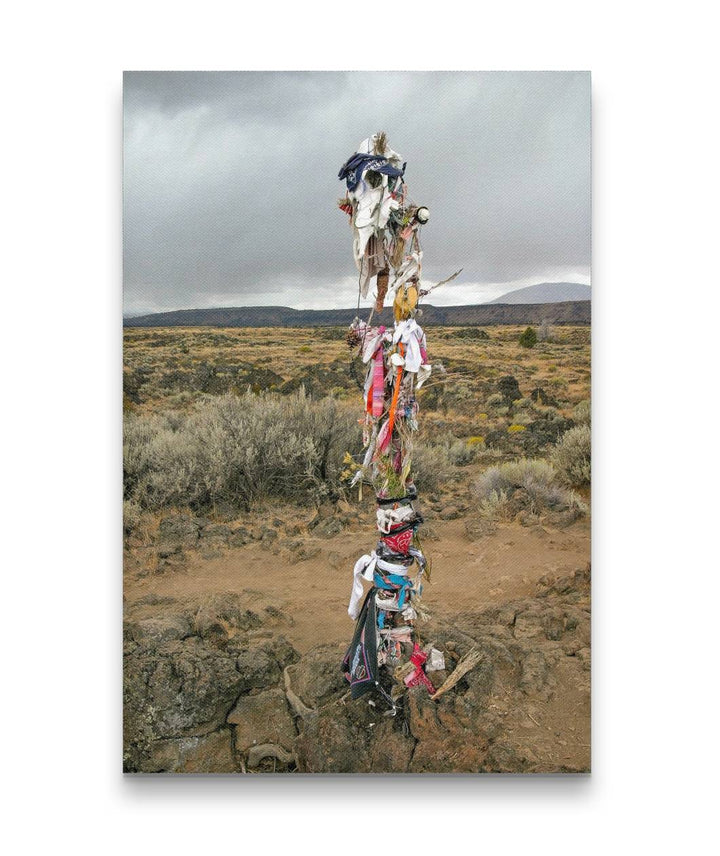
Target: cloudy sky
{"type": "Point", "coordinates": [231, 188]}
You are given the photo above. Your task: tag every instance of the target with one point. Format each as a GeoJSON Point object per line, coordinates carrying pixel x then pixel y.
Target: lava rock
{"type": "Point", "coordinates": [318, 677]}
{"type": "Point", "coordinates": [262, 718]}
{"type": "Point", "coordinates": [509, 388]}
{"type": "Point", "coordinates": [152, 632]}
{"type": "Point", "coordinates": [210, 753]}
{"type": "Point", "coordinates": [177, 531]}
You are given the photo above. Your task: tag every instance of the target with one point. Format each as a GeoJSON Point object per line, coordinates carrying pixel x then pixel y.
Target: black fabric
{"type": "Point", "coordinates": [411, 496]}
{"type": "Point", "coordinates": [387, 555]}
{"type": "Point", "coordinates": [360, 663]}
{"type": "Point", "coordinates": [413, 523]}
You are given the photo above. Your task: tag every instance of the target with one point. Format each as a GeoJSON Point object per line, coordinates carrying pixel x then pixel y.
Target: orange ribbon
{"type": "Point", "coordinates": [396, 393]}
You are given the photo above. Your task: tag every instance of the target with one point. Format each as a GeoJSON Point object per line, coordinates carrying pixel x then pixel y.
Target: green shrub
{"type": "Point", "coordinates": [524, 485]}
{"type": "Point", "coordinates": [528, 339]}
{"type": "Point", "coordinates": [467, 333]}
{"type": "Point", "coordinates": [571, 456]}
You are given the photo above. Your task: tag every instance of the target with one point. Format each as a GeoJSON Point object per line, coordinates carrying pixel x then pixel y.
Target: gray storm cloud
{"type": "Point", "coordinates": [230, 181]}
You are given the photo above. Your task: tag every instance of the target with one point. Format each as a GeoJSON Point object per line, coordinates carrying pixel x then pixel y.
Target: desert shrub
{"type": "Point", "coordinates": [495, 400]}
{"type": "Point", "coordinates": [160, 464]}
{"type": "Point", "coordinates": [331, 334]}
{"type": "Point", "coordinates": [468, 333]}
{"type": "Point", "coordinates": [462, 453]}
{"type": "Point", "coordinates": [528, 339]}
{"type": "Point", "coordinates": [431, 466]}
{"type": "Point", "coordinates": [539, 396]}
{"type": "Point", "coordinates": [133, 382]}
{"type": "Point", "coordinates": [495, 506]}
{"type": "Point", "coordinates": [132, 514]}
{"type": "Point", "coordinates": [523, 418]}
{"type": "Point", "coordinates": [582, 412]}
{"type": "Point", "coordinates": [523, 485]}
{"type": "Point", "coordinates": [545, 331]}
{"type": "Point", "coordinates": [237, 449]}
{"type": "Point", "coordinates": [571, 456]}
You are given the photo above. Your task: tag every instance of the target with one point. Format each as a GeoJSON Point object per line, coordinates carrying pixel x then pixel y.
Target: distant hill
{"type": "Point", "coordinates": [574, 312]}
{"type": "Point", "coordinates": [546, 292]}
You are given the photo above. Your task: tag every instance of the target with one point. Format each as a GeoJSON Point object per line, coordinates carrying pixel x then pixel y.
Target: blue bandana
{"type": "Point", "coordinates": [352, 171]}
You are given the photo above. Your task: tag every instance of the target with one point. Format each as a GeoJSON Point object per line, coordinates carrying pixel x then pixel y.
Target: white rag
{"type": "Point", "coordinates": [388, 517]}
{"type": "Point", "coordinates": [410, 333]}
{"type": "Point", "coordinates": [365, 569]}
{"type": "Point", "coordinates": [423, 374]}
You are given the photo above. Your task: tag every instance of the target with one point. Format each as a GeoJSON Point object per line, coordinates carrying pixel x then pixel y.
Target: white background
{"type": "Point", "coordinates": [655, 422]}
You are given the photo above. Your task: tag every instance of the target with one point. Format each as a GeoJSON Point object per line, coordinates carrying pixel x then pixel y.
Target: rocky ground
{"type": "Point", "coordinates": [236, 621]}
{"type": "Point", "coordinates": [212, 685]}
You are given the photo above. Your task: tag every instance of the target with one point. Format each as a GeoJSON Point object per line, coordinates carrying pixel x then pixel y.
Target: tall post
{"type": "Point", "coordinates": [385, 654]}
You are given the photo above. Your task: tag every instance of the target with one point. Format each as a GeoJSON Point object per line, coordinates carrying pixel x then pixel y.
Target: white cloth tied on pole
{"type": "Point", "coordinates": [365, 569]}
{"type": "Point", "coordinates": [373, 206]}
{"type": "Point", "coordinates": [389, 517]}
{"type": "Point", "coordinates": [423, 374]}
{"type": "Point", "coordinates": [410, 333]}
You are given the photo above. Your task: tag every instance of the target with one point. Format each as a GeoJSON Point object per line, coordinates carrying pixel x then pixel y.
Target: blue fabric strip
{"type": "Point", "coordinates": [394, 582]}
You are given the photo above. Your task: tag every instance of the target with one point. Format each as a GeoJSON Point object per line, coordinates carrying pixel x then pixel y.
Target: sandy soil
{"type": "Point", "coordinates": [466, 575]}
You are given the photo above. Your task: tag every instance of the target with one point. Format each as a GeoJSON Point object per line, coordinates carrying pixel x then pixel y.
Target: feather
{"type": "Point", "coordinates": [380, 143]}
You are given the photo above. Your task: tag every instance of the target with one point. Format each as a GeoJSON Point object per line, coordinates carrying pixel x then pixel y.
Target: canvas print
{"type": "Point", "coordinates": [356, 395]}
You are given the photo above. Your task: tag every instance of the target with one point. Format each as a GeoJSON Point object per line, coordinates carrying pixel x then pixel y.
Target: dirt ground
{"type": "Point", "coordinates": [466, 576]}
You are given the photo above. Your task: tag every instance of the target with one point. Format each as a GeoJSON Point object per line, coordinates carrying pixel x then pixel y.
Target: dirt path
{"type": "Point", "coordinates": [467, 575]}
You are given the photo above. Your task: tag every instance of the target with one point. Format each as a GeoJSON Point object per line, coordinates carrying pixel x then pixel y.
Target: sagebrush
{"type": "Point", "coordinates": [237, 450]}
{"type": "Point", "coordinates": [431, 466]}
{"type": "Point", "coordinates": [582, 412]}
{"type": "Point", "coordinates": [524, 485]}
{"type": "Point", "coordinates": [571, 456]}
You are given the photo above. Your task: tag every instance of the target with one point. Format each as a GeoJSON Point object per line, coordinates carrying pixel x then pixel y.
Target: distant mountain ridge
{"type": "Point", "coordinates": [573, 312]}
{"type": "Point", "coordinates": [546, 292]}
